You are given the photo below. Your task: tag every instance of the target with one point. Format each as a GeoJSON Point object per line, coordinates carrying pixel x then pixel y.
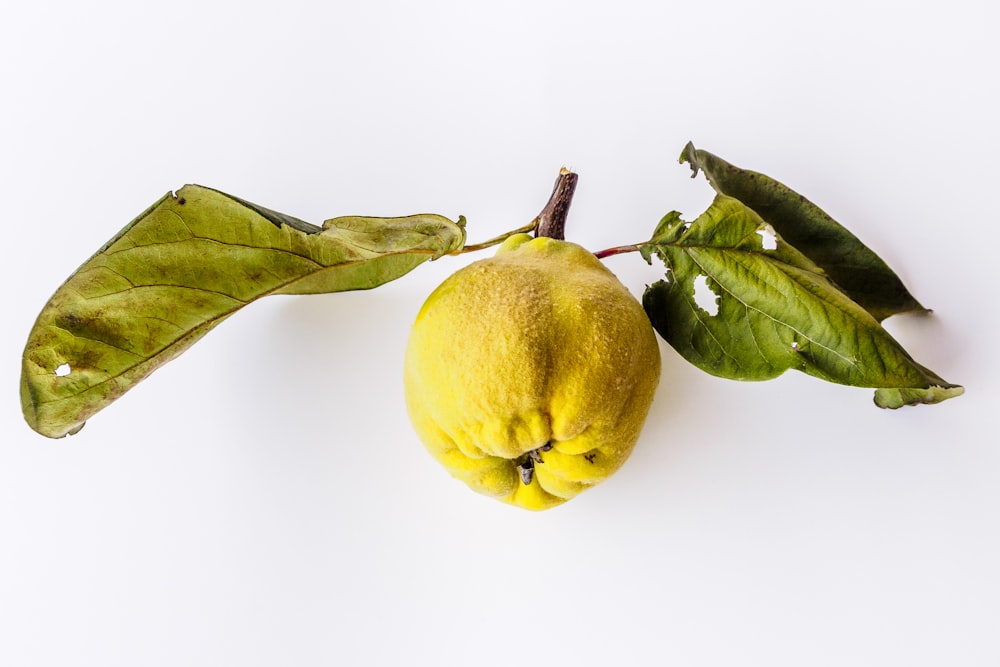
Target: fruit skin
{"type": "Point", "coordinates": [539, 344]}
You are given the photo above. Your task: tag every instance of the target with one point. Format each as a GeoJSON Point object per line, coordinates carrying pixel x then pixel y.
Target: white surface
{"type": "Point", "coordinates": [262, 500]}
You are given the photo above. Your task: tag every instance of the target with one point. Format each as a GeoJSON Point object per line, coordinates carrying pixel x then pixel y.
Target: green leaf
{"type": "Point", "coordinates": [776, 311]}
{"type": "Point", "coordinates": [848, 262]}
{"type": "Point", "coordinates": [191, 260]}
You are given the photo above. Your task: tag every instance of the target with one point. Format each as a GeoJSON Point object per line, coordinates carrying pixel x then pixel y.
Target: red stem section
{"type": "Point", "coordinates": [617, 250]}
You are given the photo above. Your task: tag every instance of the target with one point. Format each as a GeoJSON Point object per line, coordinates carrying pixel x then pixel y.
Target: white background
{"type": "Point", "coordinates": [262, 499]}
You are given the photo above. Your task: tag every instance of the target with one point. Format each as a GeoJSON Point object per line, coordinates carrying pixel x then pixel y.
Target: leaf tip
{"type": "Point", "coordinates": [690, 156]}
{"type": "Point", "coordinates": [893, 398]}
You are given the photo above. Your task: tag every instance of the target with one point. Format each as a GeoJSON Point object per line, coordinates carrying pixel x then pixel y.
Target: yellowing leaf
{"type": "Point", "coordinates": [191, 260]}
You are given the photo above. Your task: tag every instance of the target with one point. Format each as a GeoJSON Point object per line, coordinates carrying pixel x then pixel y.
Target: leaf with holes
{"type": "Point", "coordinates": [776, 310]}
{"type": "Point", "coordinates": [191, 260]}
{"type": "Point", "coordinates": [851, 265]}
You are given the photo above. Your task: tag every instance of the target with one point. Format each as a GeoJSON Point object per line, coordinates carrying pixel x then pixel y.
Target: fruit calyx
{"type": "Point", "coordinates": [526, 462]}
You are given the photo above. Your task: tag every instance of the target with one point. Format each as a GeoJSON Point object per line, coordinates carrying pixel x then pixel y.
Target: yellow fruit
{"type": "Point", "coordinates": [529, 375]}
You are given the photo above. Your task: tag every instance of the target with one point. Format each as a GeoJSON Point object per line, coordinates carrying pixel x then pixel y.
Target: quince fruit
{"type": "Point", "coordinates": [529, 375]}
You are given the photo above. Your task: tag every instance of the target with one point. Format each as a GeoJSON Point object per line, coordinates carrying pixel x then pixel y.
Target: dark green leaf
{"type": "Point", "coordinates": [179, 269]}
{"type": "Point", "coordinates": [776, 311]}
{"type": "Point", "coordinates": [849, 263]}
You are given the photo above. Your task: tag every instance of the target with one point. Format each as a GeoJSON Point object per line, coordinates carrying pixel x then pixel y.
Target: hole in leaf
{"type": "Point", "coordinates": [768, 240]}
{"type": "Point", "coordinates": [63, 370]}
{"type": "Point", "coordinates": [706, 299]}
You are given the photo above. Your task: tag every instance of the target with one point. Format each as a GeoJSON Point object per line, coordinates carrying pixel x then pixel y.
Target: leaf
{"type": "Point", "coordinates": [191, 260]}
{"type": "Point", "coordinates": [848, 262]}
{"type": "Point", "coordinates": [776, 311]}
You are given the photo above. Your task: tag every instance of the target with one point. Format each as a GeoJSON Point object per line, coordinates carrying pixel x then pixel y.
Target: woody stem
{"type": "Point", "coordinates": [551, 222]}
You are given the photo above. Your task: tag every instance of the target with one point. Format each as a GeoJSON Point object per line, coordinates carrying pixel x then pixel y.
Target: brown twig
{"type": "Point", "coordinates": [551, 222]}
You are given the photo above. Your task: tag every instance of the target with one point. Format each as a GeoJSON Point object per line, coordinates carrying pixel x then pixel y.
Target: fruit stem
{"type": "Point", "coordinates": [551, 222]}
